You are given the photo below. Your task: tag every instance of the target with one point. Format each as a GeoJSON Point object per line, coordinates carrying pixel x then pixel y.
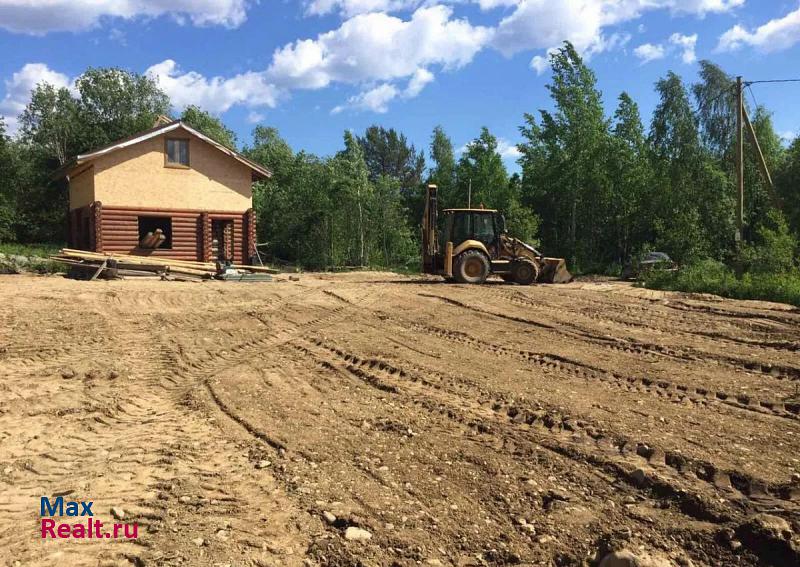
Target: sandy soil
{"type": "Point", "coordinates": [253, 424]}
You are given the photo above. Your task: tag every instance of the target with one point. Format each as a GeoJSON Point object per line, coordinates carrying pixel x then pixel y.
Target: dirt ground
{"type": "Point", "coordinates": [261, 424]}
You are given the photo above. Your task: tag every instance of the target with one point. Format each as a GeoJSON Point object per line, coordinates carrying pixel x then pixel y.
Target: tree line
{"type": "Point", "coordinates": [592, 188]}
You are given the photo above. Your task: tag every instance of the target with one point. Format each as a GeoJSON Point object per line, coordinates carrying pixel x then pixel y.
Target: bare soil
{"type": "Point", "coordinates": [458, 425]}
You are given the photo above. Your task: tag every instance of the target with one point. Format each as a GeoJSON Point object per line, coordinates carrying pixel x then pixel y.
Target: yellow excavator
{"type": "Point", "coordinates": [474, 244]}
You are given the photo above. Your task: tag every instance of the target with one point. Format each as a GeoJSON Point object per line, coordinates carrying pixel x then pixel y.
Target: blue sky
{"type": "Point", "coordinates": [315, 68]}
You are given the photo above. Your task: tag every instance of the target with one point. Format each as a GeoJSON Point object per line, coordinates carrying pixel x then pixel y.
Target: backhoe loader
{"type": "Point", "coordinates": [473, 243]}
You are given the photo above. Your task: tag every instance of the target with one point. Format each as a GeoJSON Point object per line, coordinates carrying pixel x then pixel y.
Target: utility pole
{"type": "Point", "coordinates": [469, 194]}
{"type": "Point", "coordinates": [740, 159]}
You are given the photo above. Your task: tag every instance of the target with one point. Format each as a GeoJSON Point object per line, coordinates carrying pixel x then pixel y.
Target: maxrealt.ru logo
{"type": "Point", "coordinates": [90, 528]}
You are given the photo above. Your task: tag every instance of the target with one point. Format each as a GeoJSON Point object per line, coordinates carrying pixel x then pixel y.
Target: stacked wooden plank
{"type": "Point", "coordinates": [119, 265]}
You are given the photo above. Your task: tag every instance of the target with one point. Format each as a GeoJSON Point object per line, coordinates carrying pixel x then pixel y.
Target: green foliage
{"type": "Point", "coordinates": [564, 153]}
{"type": "Point", "coordinates": [209, 125]}
{"type": "Point", "coordinates": [443, 172]}
{"type": "Point", "coordinates": [56, 126]}
{"type": "Point", "coordinates": [9, 184]}
{"type": "Point", "coordinates": [787, 185]}
{"type": "Point", "coordinates": [388, 153]}
{"type": "Point", "coordinates": [113, 104]}
{"type": "Point", "coordinates": [773, 250]}
{"type": "Point", "coordinates": [37, 258]}
{"type": "Point", "coordinates": [594, 189]}
{"type": "Point", "coordinates": [711, 276]}
{"type": "Point", "coordinates": [41, 250]}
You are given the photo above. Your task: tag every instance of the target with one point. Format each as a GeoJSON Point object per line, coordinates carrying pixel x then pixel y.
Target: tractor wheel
{"type": "Point", "coordinates": [471, 267]}
{"type": "Point", "coordinates": [524, 272]}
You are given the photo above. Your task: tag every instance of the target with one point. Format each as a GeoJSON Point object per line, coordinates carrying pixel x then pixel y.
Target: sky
{"type": "Point", "coordinates": [315, 68]}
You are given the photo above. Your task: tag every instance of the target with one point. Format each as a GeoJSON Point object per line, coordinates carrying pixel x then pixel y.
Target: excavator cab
{"type": "Point", "coordinates": [474, 243]}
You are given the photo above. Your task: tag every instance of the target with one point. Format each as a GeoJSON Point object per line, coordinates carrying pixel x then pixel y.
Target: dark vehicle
{"type": "Point", "coordinates": [648, 262]}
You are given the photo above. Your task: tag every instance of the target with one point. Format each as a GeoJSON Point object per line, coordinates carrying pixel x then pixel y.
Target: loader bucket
{"type": "Point", "coordinates": [554, 270]}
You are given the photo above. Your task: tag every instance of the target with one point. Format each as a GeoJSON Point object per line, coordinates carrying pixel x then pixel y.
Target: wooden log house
{"type": "Point", "coordinates": [170, 180]}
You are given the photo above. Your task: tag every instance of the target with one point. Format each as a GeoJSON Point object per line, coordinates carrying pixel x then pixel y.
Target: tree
{"type": "Point", "coordinates": [716, 109]}
{"type": "Point", "coordinates": [787, 184]}
{"type": "Point", "coordinates": [352, 192]}
{"type": "Point", "coordinates": [481, 169]}
{"type": "Point", "coordinates": [9, 184]}
{"type": "Point", "coordinates": [51, 124]}
{"type": "Point", "coordinates": [691, 218]}
{"type": "Point", "coordinates": [209, 125]}
{"type": "Point", "coordinates": [565, 180]}
{"type": "Point", "coordinates": [393, 236]}
{"type": "Point", "coordinates": [114, 103]}
{"type": "Point", "coordinates": [387, 153]}
{"type": "Point", "coordinates": [443, 172]}
{"type": "Point", "coordinates": [630, 171]}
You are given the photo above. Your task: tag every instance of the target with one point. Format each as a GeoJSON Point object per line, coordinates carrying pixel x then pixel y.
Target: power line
{"type": "Point", "coordinates": [755, 102]}
{"type": "Point", "coordinates": [748, 83]}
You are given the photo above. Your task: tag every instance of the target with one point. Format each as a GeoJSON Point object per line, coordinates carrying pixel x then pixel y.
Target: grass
{"type": "Point", "coordinates": [716, 278]}
{"type": "Point", "coordinates": [40, 254]}
{"type": "Point", "coordinates": [37, 250]}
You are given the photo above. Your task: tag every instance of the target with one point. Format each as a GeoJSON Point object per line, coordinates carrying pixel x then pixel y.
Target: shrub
{"type": "Point", "coordinates": [709, 276]}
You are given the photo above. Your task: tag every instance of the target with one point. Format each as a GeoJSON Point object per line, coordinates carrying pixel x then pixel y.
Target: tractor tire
{"type": "Point", "coordinates": [471, 267]}
{"type": "Point", "coordinates": [524, 272]}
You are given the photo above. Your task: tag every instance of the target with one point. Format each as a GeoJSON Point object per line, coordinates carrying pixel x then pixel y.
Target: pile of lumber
{"type": "Point", "coordinates": [153, 239]}
{"type": "Point", "coordinates": [116, 266]}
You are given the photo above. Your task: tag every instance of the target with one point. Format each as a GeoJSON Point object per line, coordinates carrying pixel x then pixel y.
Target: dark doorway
{"type": "Point", "coordinates": [222, 240]}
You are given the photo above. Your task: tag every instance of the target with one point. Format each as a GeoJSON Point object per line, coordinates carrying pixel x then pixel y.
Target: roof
{"type": "Point", "coordinates": [470, 210]}
{"type": "Point", "coordinates": [259, 171]}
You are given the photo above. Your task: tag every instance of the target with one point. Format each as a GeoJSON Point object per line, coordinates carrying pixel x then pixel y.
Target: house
{"type": "Point", "coordinates": [168, 192]}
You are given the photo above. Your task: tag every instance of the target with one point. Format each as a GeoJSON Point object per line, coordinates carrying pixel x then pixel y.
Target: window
{"type": "Point", "coordinates": [484, 228]}
{"type": "Point", "coordinates": [177, 153]}
{"type": "Point", "coordinates": [462, 228]}
{"type": "Point", "coordinates": [155, 232]}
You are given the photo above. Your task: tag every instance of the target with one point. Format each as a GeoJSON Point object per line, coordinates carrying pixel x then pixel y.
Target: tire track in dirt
{"type": "Point", "coordinates": [663, 475]}
{"type": "Point", "coordinates": [385, 376]}
{"type": "Point", "coordinates": [634, 347]}
{"type": "Point", "coordinates": [658, 387]}
{"type": "Point", "coordinates": [132, 421]}
{"type": "Point", "coordinates": [385, 379]}
{"type": "Point", "coordinates": [648, 323]}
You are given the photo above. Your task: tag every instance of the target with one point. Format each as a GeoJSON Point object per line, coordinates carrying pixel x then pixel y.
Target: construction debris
{"type": "Point", "coordinates": [92, 265]}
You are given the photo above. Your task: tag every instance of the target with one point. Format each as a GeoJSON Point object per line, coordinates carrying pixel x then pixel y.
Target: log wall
{"type": "Point", "coordinates": [191, 233]}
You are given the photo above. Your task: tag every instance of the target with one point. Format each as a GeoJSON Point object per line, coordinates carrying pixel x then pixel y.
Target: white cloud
{"type": "Point", "coordinates": [544, 24]}
{"type": "Point", "coordinates": [254, 117]}
{"type": "Point", "coordinates": [687, 44]}
{"type": "Point", "coordinates": [19, 87]}
{"type": "Point", "coordinates": [378, 47]}
{"type": "Point", "coordinates": [216, 94]}
{"type": "Point", "coordinates": [43, 16]}
{"type": "Point", "coordinates": [507, 150]}
{"type": "Point", "coordinates": [492, 4]}
{"type": "Point", "coordinates": [775, 35]}
{"type": "Point", "coordinates": [350, 8]}
{"type": "Point", "coordinates": [648, 52]}
{"type": "Point", "coordinates": [788, 136]}
{"type": "Point", "coordinates": [376, 99]}
{"type": "Point", "coordinates": [418, 81]}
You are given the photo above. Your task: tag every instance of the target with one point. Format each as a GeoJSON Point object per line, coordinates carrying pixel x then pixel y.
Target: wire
{"type": "Point", "coordinates": [748, 83]}
{"type": "Point", "coordinates": [755, 102]}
